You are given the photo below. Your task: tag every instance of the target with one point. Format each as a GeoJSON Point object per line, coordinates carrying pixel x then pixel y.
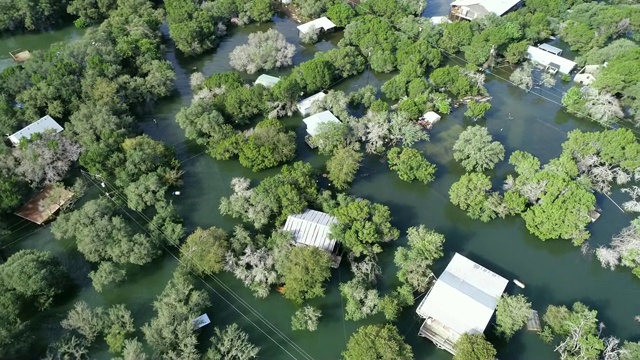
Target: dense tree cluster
{"type": "Point", "coordinates": [475, 151]}
{"type": "Point", "coordinates": [411, 165]}
{"type": "Point", "coordinates": [474, 347]}
{"type": "Point", "coordinates": [512, 314]}
{"type": "Point", "coordinates": [424, 246]}
{"type": "Point", "coordinates": [32, 15]}
{"type": "Point", "coordinates": [263, 51]}
{"type": "Point", "coordinates": [377, 342]}
{"type": "Point", "coordinates": [578, 330]}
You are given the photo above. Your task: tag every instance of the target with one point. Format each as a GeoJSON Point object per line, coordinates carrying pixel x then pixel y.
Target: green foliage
{"type": "Point", "coordinates": [264, 50]}
{"type": "Point", "coordinates": [11, 194]}
{"type": "Point", "coordinates": [107, 273]}
{"type": "Point", "coordinates": [192, 27]}
{"type": "Point", "coordinates": [613, 147]}
{"type": "Point", "coordinates": [231, 343]}
{"type": "Point", "coordinates": [415, 260]}
{"type": "Point", "coordinates": [31, 15]}
{"type": "Point", "coordinates": [410, 165]}
{"type": "Point", "coordinates": [376, 39]}
{"type": "Point", "coordinates": [347, 60]}
{"type": "Point", "coordinates": [204, 251]}
{"type": "Point", "coordinates": [303, 270]}
{"type": "Point", "coordinates": [362, 226]}
{"type": "Point", "coordinates": [455, 81]}
{"type": "Point", "coordinates": [171, 330]}
{"type": "Point", "coordinates": [578, 328]}
{"type": "Point", "coordinates": [475, 151]}
{"type": "Point", "coordinates": [474, 347]}
{"type": "Point", "coordinates": [382, 342]}
{"type": "Point", "coordinates": [341, 14]}
{"type": "Point", "coordinates": [512, 314]}
{"type": "Point", "coordinates": [456, 36]}
{"type": "Point", "coordinates": [33, 277]}
{"type": "Point", "coordinates": [227, 80]}
{"type": "Point", "coordinates": [395, 88]}
{"type": "Point", "coordinates": [314, 75]}
{"type": "Point", "coordinates": [306, 318]}
{"type": "Point", "coordinates": [331, 137]}
{"type": "Point", "coordinates": [516, 52]}
{"type": "Point", "coordinates": [343, 166]}
{"type": "Point", "coordinates": [89, 11]}
{"type": "Point", "coordinates": [476, 110]}
{"type": "Point", "coordinates": [420, 53]}
{"type": "Point", "coordinates": [268, 146]}
{"type": "Point", "coordinates": [470, 193]}
{"type": "Point", "coordinates": [142, 156]}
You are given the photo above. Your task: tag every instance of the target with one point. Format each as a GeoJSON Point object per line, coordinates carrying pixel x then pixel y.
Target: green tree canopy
{"type": "Point", "coordinates": [304, 269]}
{"type": "Point", "coordinates": [578, 328]}
{"type": "Point", "coordinates": [343, 166]}
{"type": "Point", "coordinates": [475, 151]}
{"type": "Point", "coordinates": [231, 343]}
{"type": "Point", "coordinates": [205, 249]}
{"type": "Point", "coordinates": [512, 314]}
{"type": "Point", "coordinates": [470, 193]}
{"type": "Point", "coordinates": [268, 146]}
{"type": "Point", "coordinates": [414, 261]}
{"type": "Point", "coordinates": [382, 342]}
{"type": "Point", "coordinates": [474, 347]}
{"type": "Point", "coordinates": [410, 165]}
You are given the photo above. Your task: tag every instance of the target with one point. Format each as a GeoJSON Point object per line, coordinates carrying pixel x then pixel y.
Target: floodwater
{"type": "Point", "coordinates": [554, 272]}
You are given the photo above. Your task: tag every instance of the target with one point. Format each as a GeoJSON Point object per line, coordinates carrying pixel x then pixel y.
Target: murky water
{"type": "Point", "coordinates": [554, 271]}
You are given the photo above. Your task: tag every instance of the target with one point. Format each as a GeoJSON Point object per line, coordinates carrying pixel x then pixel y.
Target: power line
{"type": "Point", "coordinates": [216, 279]}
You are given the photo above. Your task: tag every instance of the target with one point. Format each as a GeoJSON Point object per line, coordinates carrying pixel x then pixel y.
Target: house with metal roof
{"type": "Point", "coordinates": [267, 81]}
{"type": "Point", "coordinates": [551, 49]}
{"type": "Point", "coordinates": [42, 125]}
{"type": "Point", "coordinates": [553, 63]}
{"type": "Point", "coordinates": [314, 121]}
{"type": "Point", "coordinates": [322, 23]}
{"type": "Point", "coordinates": [312, 228]}
{"type": "Point", "coordinates": [461, 301]}
{"type": "Point", "coordinates": [474, 9]}
{"type": "Point", "coordinates": [304, 106]}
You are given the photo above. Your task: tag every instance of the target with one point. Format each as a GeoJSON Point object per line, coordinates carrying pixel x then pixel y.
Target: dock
{"type": "Point", "coordinates": [533, 323]}
{"type": "Point", "coordinates": [20, 56]}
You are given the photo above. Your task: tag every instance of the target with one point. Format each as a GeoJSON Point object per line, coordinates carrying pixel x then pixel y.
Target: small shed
{"type": "Point", "coordinates": [322, 23]}
{"type": "Point", "coordinates": [315, 120]}
{"type": "Point", "coordinates": [461, 301]}
{"type": "Point", "coordinates": [267, 81]}
{"type": "Point", "coordinates": [304, 106]}
{"type": "Point", "coordinates": [431, 117]}
{"type": "Point", "coordinates": [41, 207]}
{"type": "Point", "coordinates": [551, 49]}
{"type": "Point", "coordinates": [312, 228]}
{"type": "Point", "coordinates": [20, 56]}
{"type": "Point", "coordinates": [201, 321]}
{"type": "Point", "coordinates": [550, 60]}
{"type": "Point", "coordinates": [45, 123]}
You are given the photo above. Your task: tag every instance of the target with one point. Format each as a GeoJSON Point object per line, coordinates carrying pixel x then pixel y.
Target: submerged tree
{"type": "Point", "coordinates": [306, 318]}
{"type": "Point", "coordinates": [475, 151]}
{"type": "Point", "coordinates": [205, 250]}
{"type": "Point", "coordinates": [578, 329]}
{"type": "Point", "coordinates": [377, 342]}
{"type": "Point", "coordinates": [415, 260]}
{"type": "Point", "coordinates": [343, 166]}
{"type": "Point", "coordinates": [474, 347]}
{"type": "Point", "coordinates": [512, 314]}
{"type": "Point", "coordinates": [264, 50]}
{"type": "Point", "coordinates": [476, 110]}
{"type": "Point", "coordinates": [304, 269]}
{"type": "Point", "coordinates": [411, 165]}
{"type": "Point", "coordinates": [522, 76]}
{"type": "Point", "coordinates": [231, 343]}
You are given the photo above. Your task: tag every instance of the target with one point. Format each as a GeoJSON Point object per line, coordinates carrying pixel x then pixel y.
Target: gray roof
{"type": "Point", "coordinates": [312, 228]}
{"type": "Point", "coordinates": [483, 7]}
{"type": "Point", "coordinates": [45, 123]}
{"type": "Point", "coordinates": [550, 48]}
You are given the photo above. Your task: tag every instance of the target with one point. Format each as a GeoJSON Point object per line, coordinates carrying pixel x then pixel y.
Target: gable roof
{"type": "Point", "coordinates": [45, 123]}
{"type": "Point", "coordinates": [548, 59]}
{"type": "Point", "coordinates": [481, 8]}
{"type": "Point", "coordinates": [320, 23]}
{"type": "Point", "coordinates": [464, 297]}
{"type": "Point", "coordinates": [304, 106]}
{"type": "Point", "coordinates": [312, 228]}
{"type": "Point", "coordinates": [315, 120]}
{"type": "Point", "coordinates": [267, 80]}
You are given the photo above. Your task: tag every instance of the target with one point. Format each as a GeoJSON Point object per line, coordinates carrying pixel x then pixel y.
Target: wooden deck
{"type": "Point", "coordinates": [42, 206]}
{"type": "Point", "coordinates": [533, 323]}
{"type": "Point", "coordinates": [440, 335]}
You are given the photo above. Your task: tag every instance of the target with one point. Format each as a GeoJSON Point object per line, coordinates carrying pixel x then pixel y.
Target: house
{"type": "Point", "coordinates": [42, 125]}
{"type": "Point", "coordinates": [267, 81]}
{"type": "Point", "coordinates": [588, 74]}
{"type": "Point", "coordinates": [322, 23]}
{"type": "Point", "coordinates": [304, 106]}
{"type": "Point", "coordinates": [474, 9]}
{"type": "Point", "coordinates": [41, 207]}
{"type": "Point", "coordinates": [312, 228]}
{"type": "Point", "coordinates": [553, 63]}
{"type": "Point", "coordinates": [461, 301]}
{"type": "Point", "coordinates": [315, 120]}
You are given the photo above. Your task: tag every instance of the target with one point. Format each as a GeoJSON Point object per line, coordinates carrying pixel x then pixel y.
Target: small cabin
{"type": "Point", "coordinates": [322, 24]}
{"type": "Point", "coordinates": [45, 123]}
{"type": "Point", "coordinates": [304, 106]}
{"type": "Point", "coordinates": [552, 63]}
{"type": "Point", "coordinates": [312, 228]}
{"type": "Point", "coordinates": [314, 121]}
{"type": "Point", "coordinates": [462, 301]}
{"type": "Point", "coordinates": [475, 9]}
{"type": "Point", "coordinates": [267, 81]}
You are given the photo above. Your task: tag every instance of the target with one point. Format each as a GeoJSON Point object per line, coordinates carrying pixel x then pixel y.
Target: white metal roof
{"type": "Point", "coordinates": [464, 297]}
{"type": "Point", "coordinates": [321, 23]}
{"type": "Point", "coordinates": [45, 123]}
{"type": "Point", "coordinates": [439, 20]}
{"type": "Point", "coordinates": [315, 120]}
{"type": "Point", "coordinates": [431, 117]}
{"type": "Point", "coordinates": [267, 80]}
{"type": "Point", "coordinates": [304, 106]}
{"type": "Point", "coordinates": [201, 321]}
{"type": "Point", "coordinates": [312, 228]}
{"type": "Point", "coordinates": [498, 7]}
{"type": "Point", "coordinates": [550, 48]}
{"type": "Point", "coordinates": [546, 58]}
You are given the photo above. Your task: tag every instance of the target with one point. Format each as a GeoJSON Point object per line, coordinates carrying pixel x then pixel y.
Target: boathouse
{"type": "Point", "coordinates": [474, 9]}
{"type": "Point", "coordinates": [553, 63]}
{"type": "Point", "coordinates": [41, 207]}
{"type": "Point", "coordinates": [461, 301]}
{"type": "Point", "coordinates": [45, 123]}
{"type": "Point", "coordinates": [323, 24]}
{"type": "Point", "coordinates": [267, 81]}
{"type": "Point", "coordinates": [312, 228]}
{"type": "Point", "coordinates": [304, 106]}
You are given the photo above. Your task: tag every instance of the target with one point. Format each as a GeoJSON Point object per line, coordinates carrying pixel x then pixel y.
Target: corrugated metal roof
{"type": "Point", "coordinates": [267, 80]}
{"type": "Point", "coordinates": [45, 123]}
{"type": "Point", "coordinates": [321, 23]}
{"type": "Point", "coordinates": [550, 48]}
{"type": "Point", "coordinates": [546, 58]}
{"type": "Point", "coordinates": [464, 297]}
{"type": "Point", "coordinates": [312, 228]}
{"type": "Point", "coordinates": [315, 120]}
{"type": "Point", "coordinates": [304, 106]}
{"type": "Point", "coordinates": [498, 7]}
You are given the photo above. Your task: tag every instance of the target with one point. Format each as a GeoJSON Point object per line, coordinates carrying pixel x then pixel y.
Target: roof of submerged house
{"type": "Point", "coordinates": [42, 206]}
{"type": "Point", "coordinates": [315, 120]}
{"type": "Point", "coordinates": [267, 80]}
{"type": "Point", "coordinates": [45, 123]}
{"type": "Point", "coordinates": [312, 228]}
{"type": "Point", "coordinates": [304, 106]}
{"type": "Point", "coordinates": [320, 23]}
{"type": "Point", "coordinates": [546, 58]}
{"type": "Point", "coordinates": [483, 7]}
